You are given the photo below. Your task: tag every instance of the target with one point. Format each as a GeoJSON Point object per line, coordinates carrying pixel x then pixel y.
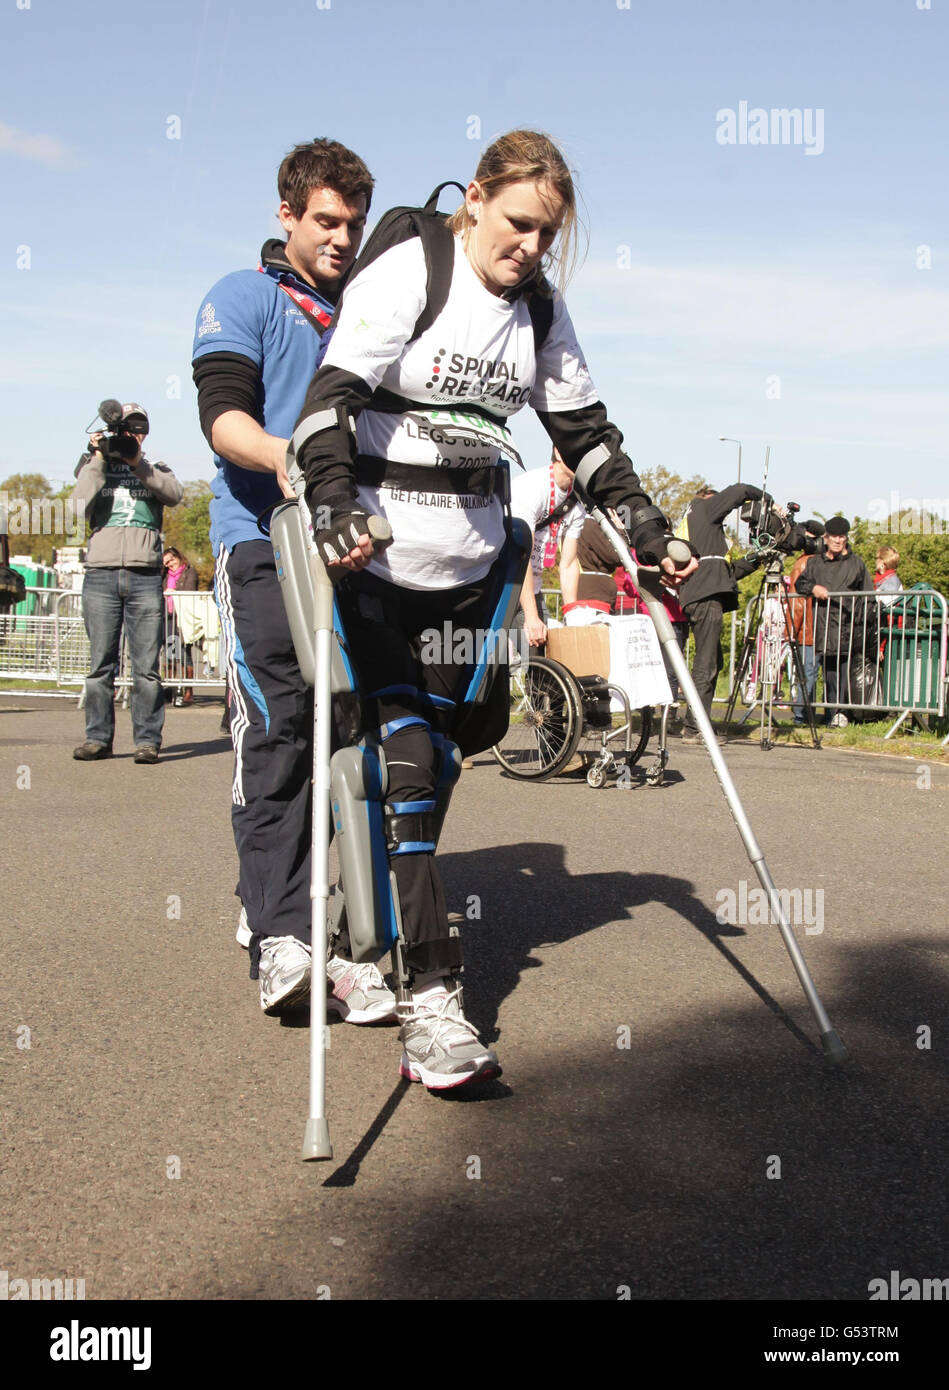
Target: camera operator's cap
{"type": "Point", "coordinates": [135, 418]}
{"type": "Point", "coordinates": [837, 526]}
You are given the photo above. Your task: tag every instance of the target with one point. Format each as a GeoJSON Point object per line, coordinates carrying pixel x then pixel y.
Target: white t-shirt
{"type": "Point", "coordinates": [531, 500]}
{"type": "Point", "coordinates": [479, 350]}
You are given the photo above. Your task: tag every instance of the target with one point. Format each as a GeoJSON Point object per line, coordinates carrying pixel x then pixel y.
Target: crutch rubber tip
{"type": "Point", "coordinates": [834, 1050]}
{"type": "Point", "coordinates": [316, 1140]}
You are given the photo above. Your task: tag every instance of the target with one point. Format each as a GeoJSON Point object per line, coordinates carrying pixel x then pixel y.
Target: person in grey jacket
{"type": "Point", "coordinates": [123, 498]}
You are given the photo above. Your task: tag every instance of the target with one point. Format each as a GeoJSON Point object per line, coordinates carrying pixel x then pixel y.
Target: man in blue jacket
{"type": "Point", "coordinates": [257, 344]}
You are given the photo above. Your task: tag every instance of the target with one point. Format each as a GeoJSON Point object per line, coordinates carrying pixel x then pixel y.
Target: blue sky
{"type": "Point", "coordinates": [750, 290]}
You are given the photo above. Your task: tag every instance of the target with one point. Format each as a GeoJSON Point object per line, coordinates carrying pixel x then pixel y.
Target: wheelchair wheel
{"type": "Point", "coordinates": [626, 731]}
{"type": "Point", "coordinates": [546, 721]}
{"type": "Point", "coordinates": [640, 730]}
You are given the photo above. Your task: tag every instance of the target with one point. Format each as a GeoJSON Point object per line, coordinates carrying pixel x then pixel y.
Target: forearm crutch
{"type": "Point", "coordinates": [308, 595]}
{"type": "Point", "coordinates": [647, 582]}
{"type": "Point", "coordinates": [316, 1138]}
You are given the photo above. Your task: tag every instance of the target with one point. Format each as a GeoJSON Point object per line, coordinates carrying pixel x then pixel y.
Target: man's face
{"type": "Point", "coordinates": [835, 545]}
{"type": "Point", "coordinates": [322, 244]}
{"type": "Point", "coordinates": [563, 476]}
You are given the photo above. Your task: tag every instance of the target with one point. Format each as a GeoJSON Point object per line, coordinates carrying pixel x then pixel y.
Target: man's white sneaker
{"type": "Point", "coordinates": [440, 1047]}
{"type": "Point", "coordinates": [358, 993]}
{"type": "Point", "coordinates": [284, 973]}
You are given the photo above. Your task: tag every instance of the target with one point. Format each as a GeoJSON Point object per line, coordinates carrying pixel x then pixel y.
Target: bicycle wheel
{"type": "Point", "coordinates": [546, 721]}
{"type": "Point", "coordinates": [749, 684]}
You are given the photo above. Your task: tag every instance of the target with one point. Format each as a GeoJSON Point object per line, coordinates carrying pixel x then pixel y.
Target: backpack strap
{"type": "Point", "coordinates": [431, 207]}
{"type": "Point", "coordinates": [439, 245]}
{"type": "Point", "coordinates": [540, 304]}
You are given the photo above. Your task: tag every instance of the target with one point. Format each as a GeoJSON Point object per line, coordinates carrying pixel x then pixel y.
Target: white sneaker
{"type": "Point", "coordinates": [440, 1047]}
{"type": "Point", "coordinates": [284, 973]}
{"type": "Point", "coordinates": [358, 993]}
{"type": "Point", "coordinates": [839, 721]}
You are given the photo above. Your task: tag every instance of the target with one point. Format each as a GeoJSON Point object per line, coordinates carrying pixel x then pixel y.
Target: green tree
{"type": "Point", "coordinates": [922, 543]}
{"type": "Point", "coordinates": [36, 517]}
{"type": "Point", "coordinates": [671, 491]}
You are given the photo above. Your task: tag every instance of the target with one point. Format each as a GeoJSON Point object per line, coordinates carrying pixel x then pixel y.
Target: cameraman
{"type": "Point", "coordinates": [123, 496]}
{"type": "Point", "coordinates": [711, 592]}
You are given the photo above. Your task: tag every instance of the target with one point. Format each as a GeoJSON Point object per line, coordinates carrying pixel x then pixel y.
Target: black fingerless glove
{"type": "Point", "coordinates": [337, 526]}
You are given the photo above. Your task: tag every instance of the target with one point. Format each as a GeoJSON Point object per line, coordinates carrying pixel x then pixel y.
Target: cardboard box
{"type": "Point", "coordinates": [583, 650]}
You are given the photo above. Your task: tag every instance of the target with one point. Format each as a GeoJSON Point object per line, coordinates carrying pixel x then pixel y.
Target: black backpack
{"type": "Point", "coordinates": [427, 223]}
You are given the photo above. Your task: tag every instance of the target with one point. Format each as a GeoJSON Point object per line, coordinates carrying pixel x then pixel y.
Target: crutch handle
{"type": "Point", "coordinates": [380, 533]}
{"type": "Point", "coordinates": [679, 552]}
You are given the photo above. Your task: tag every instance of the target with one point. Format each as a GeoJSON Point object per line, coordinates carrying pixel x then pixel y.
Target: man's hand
{"type": "Point", "coordinates": [536, 631]}
{"type": "Point", "coordinates": [820, 592]}
{"type": "Point", "coordinates": [283, 482]}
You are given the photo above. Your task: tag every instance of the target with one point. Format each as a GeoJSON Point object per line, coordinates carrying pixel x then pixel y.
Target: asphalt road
{"type": "Point", "coordinates": [716, 1156]}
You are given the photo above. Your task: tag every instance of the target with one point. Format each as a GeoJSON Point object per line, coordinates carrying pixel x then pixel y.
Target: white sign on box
{"type": "Point", "coordinates": [636, 664]}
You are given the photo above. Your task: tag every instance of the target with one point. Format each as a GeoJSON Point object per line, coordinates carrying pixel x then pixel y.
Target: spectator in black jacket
{"type": "Point", "coordinates": [711, 591]}
{"type": "Point", "coordinates": [842, 625]}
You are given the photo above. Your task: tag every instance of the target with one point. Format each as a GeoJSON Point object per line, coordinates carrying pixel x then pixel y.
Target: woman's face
{"type": "Point", "coordinates": [512, 231]}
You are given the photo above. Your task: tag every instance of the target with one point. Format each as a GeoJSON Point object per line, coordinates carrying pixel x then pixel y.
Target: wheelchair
{"type": "Point", "coordinates": [555, 715]}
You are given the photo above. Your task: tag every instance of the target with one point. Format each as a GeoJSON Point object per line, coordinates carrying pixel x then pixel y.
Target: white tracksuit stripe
{"type": "Point", "coordinates": [240, 721]}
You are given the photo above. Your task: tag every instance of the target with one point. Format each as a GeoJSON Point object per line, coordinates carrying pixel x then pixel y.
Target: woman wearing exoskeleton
{"type": "Point", "coordinates": [376, 450]}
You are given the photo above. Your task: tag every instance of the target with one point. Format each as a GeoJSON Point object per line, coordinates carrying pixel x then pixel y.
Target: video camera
{"type": "Point", "coordinates": [122, 424]}
{"type": "Point", "coordinates": [772, 534]}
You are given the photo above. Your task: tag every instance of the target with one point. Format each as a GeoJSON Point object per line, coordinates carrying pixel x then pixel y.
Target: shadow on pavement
{"type": "Point", "coordinates": [544, 905]}
{"type": "Point", "coordinates": [702, 1163]}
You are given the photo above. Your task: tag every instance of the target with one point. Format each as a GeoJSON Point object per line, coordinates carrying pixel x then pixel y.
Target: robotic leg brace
{"type": "Point", "coordinates": [375, 833]}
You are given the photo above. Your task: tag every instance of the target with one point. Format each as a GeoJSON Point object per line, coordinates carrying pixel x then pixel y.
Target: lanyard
{"type": "Point", "coordinates": [550, 545]}
{"type": "Point", "coordinates": [305, 301]}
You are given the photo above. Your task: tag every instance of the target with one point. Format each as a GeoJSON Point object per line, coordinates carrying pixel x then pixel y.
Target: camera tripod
{"type": "Point", "coordinates": [771, 628]}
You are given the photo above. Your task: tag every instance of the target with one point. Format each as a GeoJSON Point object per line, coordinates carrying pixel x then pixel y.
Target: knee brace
{"type": "Point", "coordinates": [374, 831]}
{"type": "Point", "coordinates": [449, 772]}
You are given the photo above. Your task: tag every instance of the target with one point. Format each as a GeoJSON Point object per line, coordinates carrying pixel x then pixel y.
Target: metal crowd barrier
{"type": "Point", "coordinates": [48, 642]}
{"type": "Point", "coordinates": [886, 653]}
